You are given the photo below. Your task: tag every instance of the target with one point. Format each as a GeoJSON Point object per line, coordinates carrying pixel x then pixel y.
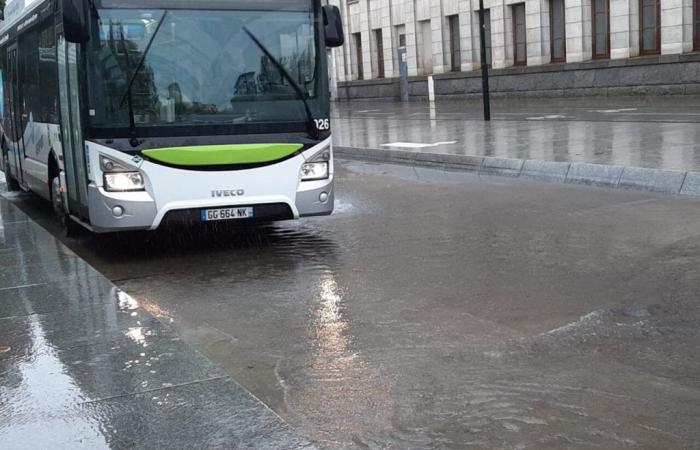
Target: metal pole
{"type": "Point", "coordinates": [484, 70]}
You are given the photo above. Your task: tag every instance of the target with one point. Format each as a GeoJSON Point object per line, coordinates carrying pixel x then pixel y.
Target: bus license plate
{"type": "Point", "coordinates": [209, 215]}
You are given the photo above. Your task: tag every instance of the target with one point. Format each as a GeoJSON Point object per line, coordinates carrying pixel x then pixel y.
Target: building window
{"type": "Point", "coordinates": [601, 28]}
{"type": "Point", "coordinates": [48, 80]}
{"type": "Point", "coordinates": [649, 25]}
{"type": "Point", "coordinates": [519, 35]}
{"type": "Point", "coordinates": [557, 27]}
{"type": "Point", "coordinates": [425, 51]}
{"type": "Point", "coordinates": [357, 40]}
{"type": "Point", "coordinates": [696, 24]}
{"type": "Point", "coordinates": [379, 43]}
{"type": "Point", "coordinates": [487, 34]}
{"type": "Point", "coordinates": [455, 59]}
{"type": "Point", "coordinates": [28, 57]}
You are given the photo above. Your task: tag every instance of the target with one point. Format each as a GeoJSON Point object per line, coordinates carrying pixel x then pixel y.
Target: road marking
{"type": "Point", "coordinates": [613, 110]}
{"type": "Point", "coordinates": [367, 111]}
{"type": "Point", "coordinates": [417, 144]}
{"type": "Point", "coordinates": [662, 114]}
{"type": "Point", "coordinates": [550, 117]}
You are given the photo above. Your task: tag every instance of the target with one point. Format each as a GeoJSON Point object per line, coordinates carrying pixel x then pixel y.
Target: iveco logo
{"type": "Point", "coordinates": [228, 193]}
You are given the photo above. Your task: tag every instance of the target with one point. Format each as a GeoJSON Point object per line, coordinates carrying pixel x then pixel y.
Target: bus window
{"type": "Point", "coordinates": [2, 95]}
{"type": "Point", "coordinates": [48, 79]}
{"type": "Point", "coordinates": [28, 56]}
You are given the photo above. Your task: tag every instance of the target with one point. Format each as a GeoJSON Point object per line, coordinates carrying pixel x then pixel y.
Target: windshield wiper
{"type": "Point", "coordinates": [132, 120]}
{"type": "Point", "coordinates": [127, 95]}
{"type": "Point", "coordinates": [310, 120]}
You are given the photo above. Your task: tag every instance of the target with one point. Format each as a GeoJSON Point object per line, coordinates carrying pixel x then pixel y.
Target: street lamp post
{"type": "Point", "coordinates": [484, 69]}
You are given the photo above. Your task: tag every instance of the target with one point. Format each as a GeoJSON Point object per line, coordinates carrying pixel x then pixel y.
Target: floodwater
{"type": "Point", "coordinates": [437, 310]}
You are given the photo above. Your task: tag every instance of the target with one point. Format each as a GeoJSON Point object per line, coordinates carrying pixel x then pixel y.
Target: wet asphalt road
{"type": "Point", "coordinates": [647, 109]}
{"type": "Point", "coordinates": [436, 310]}
{"type": "Point", "coordinates": [649, 132]}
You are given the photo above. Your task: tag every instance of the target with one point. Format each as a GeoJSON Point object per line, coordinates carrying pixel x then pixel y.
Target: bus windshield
{"type": "Point", "coordinates": [180, 67]}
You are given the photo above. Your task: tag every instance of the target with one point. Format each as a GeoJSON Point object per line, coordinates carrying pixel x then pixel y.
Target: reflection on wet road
{"type": "Point", "coordinates": [433, 314]}
{"type": "Point", "coordinates": [86, 366]}
{"type": "Point", "coordinates": [656, 133]}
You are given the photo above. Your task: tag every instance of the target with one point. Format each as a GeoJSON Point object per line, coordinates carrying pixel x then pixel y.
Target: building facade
{"type": "Point", "coordinates": [436, 37]}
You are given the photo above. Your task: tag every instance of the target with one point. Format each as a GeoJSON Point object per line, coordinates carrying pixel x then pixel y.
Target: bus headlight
{"type": "Point", "coordinates": [123, 182]}
{"type": "Point", "coordinates": [318, 166]}
{"type": "Point", "coordinates": [314, 171]}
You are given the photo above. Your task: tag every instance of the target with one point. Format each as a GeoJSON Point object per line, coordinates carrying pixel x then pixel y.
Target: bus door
{"type": "Point", "coordinates": [71, 128]}
{"type": "Point", "coordinates": [16, 132]}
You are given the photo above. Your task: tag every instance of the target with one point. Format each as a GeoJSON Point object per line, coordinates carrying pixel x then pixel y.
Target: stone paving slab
{"type": "Point", "coordinates": [210, 414]}
{"type": "Point", "coordinates": [89, 367]}
{"type": "Point", "coordinates": [602, 175]}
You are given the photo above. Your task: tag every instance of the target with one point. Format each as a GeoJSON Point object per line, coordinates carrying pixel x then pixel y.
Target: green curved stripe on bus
{"type": "Point", "coordinates": [218, 155]}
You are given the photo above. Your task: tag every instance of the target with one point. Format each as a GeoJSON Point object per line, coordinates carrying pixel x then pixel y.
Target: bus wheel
{"type": "Point", "coordinates": [12, 184]}
{"type": "Point", "coordinates": [69, 226]}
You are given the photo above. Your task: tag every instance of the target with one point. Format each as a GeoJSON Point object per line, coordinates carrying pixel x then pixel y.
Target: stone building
{"type": "Point", "coordinates": [557, 47]}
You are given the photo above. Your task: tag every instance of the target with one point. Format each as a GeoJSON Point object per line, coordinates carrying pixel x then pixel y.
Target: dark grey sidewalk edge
{"type": "Point", "coordinates": [604, 175]}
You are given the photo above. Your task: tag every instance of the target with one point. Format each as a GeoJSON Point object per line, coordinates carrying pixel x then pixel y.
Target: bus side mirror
{"type": "Point", "coordinates": [333, 26]}
{"type": "Point", "coordinates": [75, 28]}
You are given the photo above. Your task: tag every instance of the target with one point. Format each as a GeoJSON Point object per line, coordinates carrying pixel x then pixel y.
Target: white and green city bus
{"type": "Point", "coordinates": [129, 114]}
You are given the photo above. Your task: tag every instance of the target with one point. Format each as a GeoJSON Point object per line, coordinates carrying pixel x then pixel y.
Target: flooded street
{"type": "Point", "coordinates": [435, 310]}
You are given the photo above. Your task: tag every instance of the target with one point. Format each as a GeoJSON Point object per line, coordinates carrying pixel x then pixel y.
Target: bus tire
{"type": "Point", "coordinates": [12, 184]}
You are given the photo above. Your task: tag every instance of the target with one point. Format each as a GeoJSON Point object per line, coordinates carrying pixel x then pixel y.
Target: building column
{"type": "Point", "coordinates": [336, 55]}
{"type": "Point", "coordinates": [498, 36]}
{"type": "Point", "coordinates": [465, 36]}
{"type": "Point", "coordinates": [411, 51]}
{"type": "Point", "coordinates": [619, 29]}
{"type": "Point", "coordinates": [352, 27]}
{"type": "Point", "coordinates": [339, 55]}
{"type": "Point", "coordinates": [509, 35]}
{"type": "Point", "coordinates": [342, 53]}
{"type": "Point", "coordinates": [578, 29]}
{"type": "Point", "coordinates": [537, 32]}
{"type": "Point", "coordinates": [476, 39]}
{"type": "Point", "coordinates": [366, 38]}
{"type": "Point", "coordinates": [672, 27]}
{"type": "Point", "coordinates": [634, 28]}
{"type": "Point", "coordinates": [436, 20]}
{"type": "Point", "coordinates": [387, 48]}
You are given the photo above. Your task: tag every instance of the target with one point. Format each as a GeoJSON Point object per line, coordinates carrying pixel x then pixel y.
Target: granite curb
{"type": "Point", "coordinates": [603, 175]}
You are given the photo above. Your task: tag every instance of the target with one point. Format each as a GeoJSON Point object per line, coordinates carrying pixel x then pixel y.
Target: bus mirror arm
{"type": "Point", "coordinates": [74, 19]}
{"type": "Point", "coordinates": [333, 26]}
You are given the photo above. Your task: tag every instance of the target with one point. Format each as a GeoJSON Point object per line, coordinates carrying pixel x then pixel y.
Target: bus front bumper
{"type": "Point", "coordinates": [122, 211]}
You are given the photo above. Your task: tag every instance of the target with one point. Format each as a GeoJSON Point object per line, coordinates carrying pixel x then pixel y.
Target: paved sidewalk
{"type": "Point", "coordinates": [639, 143]}
{"type": "Point", "coordinates": [89, 367]}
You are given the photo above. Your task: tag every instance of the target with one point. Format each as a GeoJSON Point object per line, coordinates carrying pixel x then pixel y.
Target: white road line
{"type": "Point", "coordinates": [416, 144]}
{"type": "Point", "coordinates": [613, 110]}
{"type": "Point", "coordinates": [661, 114]}
{"type": "Point", "coordinates": [550, 117]}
